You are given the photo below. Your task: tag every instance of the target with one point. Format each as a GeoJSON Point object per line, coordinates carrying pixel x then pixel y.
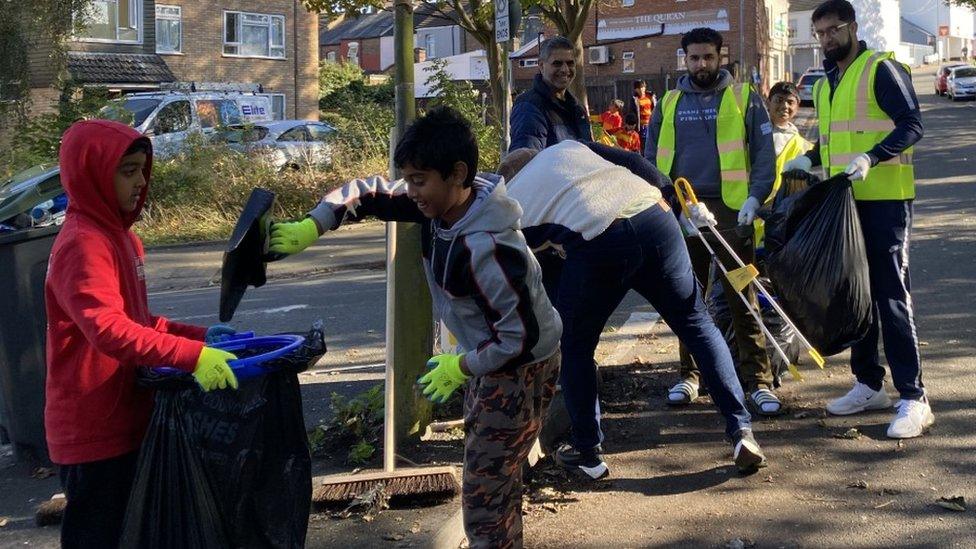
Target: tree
{"type": "Point", "coordinates": [569, 17]}
{"type": "Point", "coordinates": [474, 16]}
{"type": "Point", "coordinates": [23, 24]}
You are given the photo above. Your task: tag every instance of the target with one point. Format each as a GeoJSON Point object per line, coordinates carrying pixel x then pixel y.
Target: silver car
{"type": "Point", "coordinates": [961, 83]}
{"type": "Point", "coordinates": [285, 144]}
{"type": "Point", "coordinates": [805, 85]}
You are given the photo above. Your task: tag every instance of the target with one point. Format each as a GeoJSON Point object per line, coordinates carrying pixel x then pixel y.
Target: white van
{"type": "Point", "coordinates": [168, 116]}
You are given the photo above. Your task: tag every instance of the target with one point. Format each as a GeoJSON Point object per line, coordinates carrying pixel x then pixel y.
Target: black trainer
{"type": "Point", "coordinates": [746, 453]}
{"type": "Point", "coordinates": [588, 464]}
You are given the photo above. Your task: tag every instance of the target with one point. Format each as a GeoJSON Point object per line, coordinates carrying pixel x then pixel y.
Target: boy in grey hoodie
{"type": "Point", "coordinates": [486, 287]}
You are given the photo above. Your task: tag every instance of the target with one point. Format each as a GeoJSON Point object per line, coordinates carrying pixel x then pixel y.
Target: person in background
{"type": "Point", "coordinates": [642, 104]}
{"type": "Point", "coordinates": [628, 138]}
{"type": "Point", "coordinates": [874, 120]}
{"type": "Point", "coordinates": [611, 118]}
{"type": "Point", "coordinates": [548, 112]}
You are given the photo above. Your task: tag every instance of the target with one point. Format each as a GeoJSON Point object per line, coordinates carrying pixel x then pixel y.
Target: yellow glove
{"type": "Point", "coordinates": [444, 377]}
{"type": "Point", "coordinates": [292, 237]}
{"type": "Point", "coordinates": [212, 371]}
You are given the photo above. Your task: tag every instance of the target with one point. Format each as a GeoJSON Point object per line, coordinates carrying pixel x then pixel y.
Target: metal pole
{"type": "Point", "coordinates": [506, 48]}
{"type": "Point", "coordinates": [409, 303]}
{"type": "Point", "coordinates": [742, 39]}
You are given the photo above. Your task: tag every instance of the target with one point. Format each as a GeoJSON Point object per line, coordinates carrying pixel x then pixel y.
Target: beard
{"type": "Point", "coordinates": [704, 78]}
{"type": "Point", "coordinates": [838, 53]}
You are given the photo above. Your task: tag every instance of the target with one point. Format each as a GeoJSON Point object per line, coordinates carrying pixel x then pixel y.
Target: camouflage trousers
{"type": "Point", "coordinates": [503, 414]}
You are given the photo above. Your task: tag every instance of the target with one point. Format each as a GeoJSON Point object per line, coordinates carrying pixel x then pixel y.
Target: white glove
{"type": "Point", "coordinates": [747, 213]}
{"type": "Point", "coordinates": [799, 163]}
{"type": "Point", "coordinates": [859, 167]}
{"type": "Point", "coordinates": [700, 215]}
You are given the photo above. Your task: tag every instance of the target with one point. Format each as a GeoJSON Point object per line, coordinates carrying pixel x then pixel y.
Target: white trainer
{"type": "Point", "coordinates": [912, 419]}
{"type": "Point", "coordinates": [859, 399]}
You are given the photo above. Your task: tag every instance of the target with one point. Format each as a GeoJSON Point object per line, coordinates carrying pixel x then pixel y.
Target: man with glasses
{"type": "Point", "coordinates": [869, 119]}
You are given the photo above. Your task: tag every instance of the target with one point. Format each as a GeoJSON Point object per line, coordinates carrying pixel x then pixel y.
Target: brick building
{"type": "Point", "coordinates": [134, 45]}
{"type": "Point", "coordinates": [642, 39]}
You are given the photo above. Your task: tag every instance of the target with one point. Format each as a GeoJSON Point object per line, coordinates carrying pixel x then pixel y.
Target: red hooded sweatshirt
{"type": "Point", "coordinates": [99, 328]}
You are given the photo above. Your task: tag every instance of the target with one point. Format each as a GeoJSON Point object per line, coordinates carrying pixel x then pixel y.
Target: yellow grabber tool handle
{"type": "Point", "coordinates": [686, 194]}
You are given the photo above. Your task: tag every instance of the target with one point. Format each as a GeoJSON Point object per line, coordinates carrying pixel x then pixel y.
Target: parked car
{"type": "Point", "coordinates": [805, 85]}
{"type": "Point", "coordinates": [961, 83]}
{"type": "Point", "coordinates": [941, 76]}
{"type": "Point", "coordinates": [285, 144]}
{"type": "Point", "coordinates": [168, 117]}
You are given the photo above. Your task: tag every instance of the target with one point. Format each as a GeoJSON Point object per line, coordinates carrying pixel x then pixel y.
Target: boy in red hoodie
{"type": "Point", "coordinates": [100, 329]}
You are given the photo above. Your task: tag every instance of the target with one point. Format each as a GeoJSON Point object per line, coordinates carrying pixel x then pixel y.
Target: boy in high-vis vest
{"type": "Point", "coordinates": [717, 134]}
{"type": "Point", "coordinates": [869, 120]}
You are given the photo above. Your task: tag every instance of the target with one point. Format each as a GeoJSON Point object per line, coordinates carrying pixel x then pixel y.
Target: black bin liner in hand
{"type": "Point", "coordinates": [817, 261]}
{"type": "Point", "coordinates": [225, 468]}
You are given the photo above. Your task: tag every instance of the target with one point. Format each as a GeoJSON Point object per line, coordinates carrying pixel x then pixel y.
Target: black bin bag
{"type": "Point", "coordinates": [225, 468]}
{"type": "Point", "coordinates": [817, 261]}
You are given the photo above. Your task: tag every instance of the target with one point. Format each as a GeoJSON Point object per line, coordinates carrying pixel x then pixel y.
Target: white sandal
{"type": "Point", "coordinates": [766, 403]}
{"type": "Point", "coordinates": [685, 392]}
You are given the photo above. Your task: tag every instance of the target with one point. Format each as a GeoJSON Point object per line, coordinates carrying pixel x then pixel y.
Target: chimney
{"type": "Point", "coordinates": [419, 55]}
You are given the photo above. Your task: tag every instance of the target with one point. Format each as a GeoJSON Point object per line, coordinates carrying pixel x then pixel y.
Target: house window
{"type": "Point", "coordinates": [331, 56]}
{"type": "Point", "coordinates": [112, 21]}
{"type": "Point", "coordinates": [534, 62]}
{"type": "Point", "coordinates": [169, 29]}
{"type": "Point", "coordinates": [627, 3]}
{"type": "Point", "coordinates": [430, 43]}
{"type": "Point", "coordinates": [628, 61]}
{"type": "Point", "coordinates": [278, 106]}
{"type": "Point", "coordinates": [254, 35]}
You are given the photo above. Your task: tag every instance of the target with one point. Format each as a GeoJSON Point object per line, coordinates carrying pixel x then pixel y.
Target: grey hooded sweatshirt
{"type": "Point", "coordinates": [485, 283]}
{"type": "Point", "coordinates": [696, 154]}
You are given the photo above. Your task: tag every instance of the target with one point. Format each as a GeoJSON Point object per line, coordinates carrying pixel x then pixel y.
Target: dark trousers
{"type": "Point", "coordinates": [647, 254]}
{"type": "Point", "coordinates": [754, 366]}
{"type": "Point", "coordinates": [97, 494]}
{"type": "Point", "coordinates": [503, 414]}
{"type": "Point", "coordinates": [887, 226]}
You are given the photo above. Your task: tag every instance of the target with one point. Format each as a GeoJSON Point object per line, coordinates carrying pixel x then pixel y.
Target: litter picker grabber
{"type": "Point", "coordinates": [741, 277]}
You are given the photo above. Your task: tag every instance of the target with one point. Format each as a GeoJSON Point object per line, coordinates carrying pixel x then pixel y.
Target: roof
{"type": "Point", "coordinates": [379, 24]}
{"type": "Point", "coordinates": [914, 34]}
{"type": "Point", "coordinates": [357, 28]}
{"type": "Point", "coordinates": [118, 68]}
{"type": "Point", "coordinates": [804, 5]}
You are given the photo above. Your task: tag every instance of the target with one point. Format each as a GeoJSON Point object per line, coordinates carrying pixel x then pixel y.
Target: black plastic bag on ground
{"type": "Point", "coordinates": [225, 468]}
{"type": "Point", "coordinates": [815, 256]}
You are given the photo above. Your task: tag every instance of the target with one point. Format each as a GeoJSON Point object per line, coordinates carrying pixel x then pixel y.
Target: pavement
{"type": "Point", "coordinates": [672, 483]}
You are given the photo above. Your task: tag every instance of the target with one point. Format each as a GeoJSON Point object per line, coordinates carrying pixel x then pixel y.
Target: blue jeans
{"type": "Point", "coordinates": [887, 225]}
{"type": "Point", "coordinates": [647, 254]}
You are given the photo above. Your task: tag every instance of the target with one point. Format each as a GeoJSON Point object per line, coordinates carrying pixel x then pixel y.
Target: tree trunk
{"type": "Point", "coordinates": [578, 86]}
{"type": "Point", "coordinates": [496, 86]}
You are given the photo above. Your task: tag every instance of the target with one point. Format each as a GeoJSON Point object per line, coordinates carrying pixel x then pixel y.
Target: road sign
{"type": "Point", "coordinates": [943, 29]}
{"type": "Point", "coordinates": [501, 21]}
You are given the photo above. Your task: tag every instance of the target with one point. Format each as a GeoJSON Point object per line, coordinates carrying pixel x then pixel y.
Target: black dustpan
{"type": "Point", "coordinates": [244, 260]}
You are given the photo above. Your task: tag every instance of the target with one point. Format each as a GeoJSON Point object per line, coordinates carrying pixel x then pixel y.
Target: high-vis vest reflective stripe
{"type": "Point", "coordinates": [794, 148]}
{"type": "Point", "coordinates": [852, 123]}
{"type": "Point", "coordinates": [730, 140]}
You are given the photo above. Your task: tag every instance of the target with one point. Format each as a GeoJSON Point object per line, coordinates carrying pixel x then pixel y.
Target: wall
{"type": "Point", "coordinates": [202, 58]}
{"type": "Point", "coordinates": [447, 40]}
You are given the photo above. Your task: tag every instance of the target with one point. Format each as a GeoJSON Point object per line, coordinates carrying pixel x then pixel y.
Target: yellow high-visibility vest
{"type": "Point", "coordinates": [730, 140]}
{"type": "Point", "coordinates": [796, 146]}
{"type": "Point", "coordinates": [852, 123]}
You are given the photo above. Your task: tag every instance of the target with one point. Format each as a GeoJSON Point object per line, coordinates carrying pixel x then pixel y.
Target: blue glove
{"type": "Point", "coordinates": [217, 333]}
{"type": "Point", "coordinates": [444, 377]}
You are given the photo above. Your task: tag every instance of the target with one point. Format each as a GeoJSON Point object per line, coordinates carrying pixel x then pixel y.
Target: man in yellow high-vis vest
{"type": "Point", "coordinates": [869, 119]}
{"type": "Point", "coordinates": [717, 134]}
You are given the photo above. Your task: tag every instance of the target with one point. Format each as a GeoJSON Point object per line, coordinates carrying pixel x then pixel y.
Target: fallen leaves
{"type": "Point", "coordinates": [850, 434]}
{"type": "Point", "coordinates": [952, 503]}
{"type": "Point", "coordinates": [42, 473]}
